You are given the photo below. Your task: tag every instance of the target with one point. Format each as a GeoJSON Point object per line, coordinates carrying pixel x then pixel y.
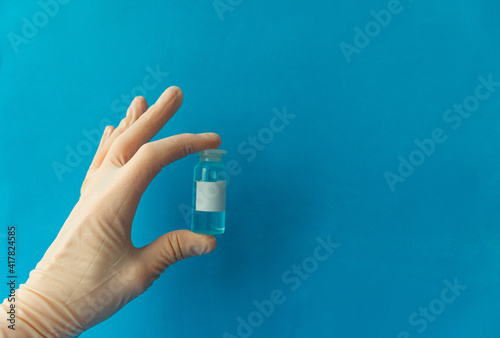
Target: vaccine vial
{"type": "Point", "coordinates": [209, 193]}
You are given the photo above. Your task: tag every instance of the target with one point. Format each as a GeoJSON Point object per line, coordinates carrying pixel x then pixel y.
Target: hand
{"type": "Point", "coordinates": [92, 270]}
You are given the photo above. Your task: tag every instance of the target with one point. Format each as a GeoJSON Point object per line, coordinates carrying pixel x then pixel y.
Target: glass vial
{"type": "Point", "coordinates": [209, 193]}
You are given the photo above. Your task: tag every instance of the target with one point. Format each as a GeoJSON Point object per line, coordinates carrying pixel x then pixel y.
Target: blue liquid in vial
{"type": "Point", "coordinates": [210, 178]}
{"type": "Point", "coordinates": [209, 222]}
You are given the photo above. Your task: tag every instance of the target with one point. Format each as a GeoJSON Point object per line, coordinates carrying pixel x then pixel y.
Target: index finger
{"type": "Point", "coordinates": [153, 156]}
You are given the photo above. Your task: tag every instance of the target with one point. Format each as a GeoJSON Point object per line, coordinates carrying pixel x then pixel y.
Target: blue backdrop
{"type": "Point", "coordinates": [367, 135]}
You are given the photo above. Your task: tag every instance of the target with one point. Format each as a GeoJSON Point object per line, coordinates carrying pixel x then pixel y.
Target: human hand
{"type": "Point", "coordinates": [92, 269]}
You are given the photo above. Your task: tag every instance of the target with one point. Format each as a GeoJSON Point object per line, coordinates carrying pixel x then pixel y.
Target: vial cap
{"type": "Point", "coordinates": [212, 154]}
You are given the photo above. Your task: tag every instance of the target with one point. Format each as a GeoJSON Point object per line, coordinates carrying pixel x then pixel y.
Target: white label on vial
{"type": "Point", "coordinates": [210, 196]}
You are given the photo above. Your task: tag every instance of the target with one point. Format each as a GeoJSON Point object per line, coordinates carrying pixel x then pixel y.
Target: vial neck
{"type": "Point", "coordinates": [210, 159]}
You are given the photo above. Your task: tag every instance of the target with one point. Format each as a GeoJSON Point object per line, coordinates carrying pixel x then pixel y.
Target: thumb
{"type": "Point", "coordinates": [172, 247]}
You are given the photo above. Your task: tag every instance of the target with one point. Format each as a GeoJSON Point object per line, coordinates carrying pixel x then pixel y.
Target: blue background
{"type": "Point", "coordinates": [323, 175]}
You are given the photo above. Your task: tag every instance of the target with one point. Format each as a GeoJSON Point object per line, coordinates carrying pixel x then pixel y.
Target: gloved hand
{"type": "Point", "coordinates": [92, 270]}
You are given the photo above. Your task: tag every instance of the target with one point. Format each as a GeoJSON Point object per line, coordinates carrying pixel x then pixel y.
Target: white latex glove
{"type": "Point", "coordinates": [92, 270]}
